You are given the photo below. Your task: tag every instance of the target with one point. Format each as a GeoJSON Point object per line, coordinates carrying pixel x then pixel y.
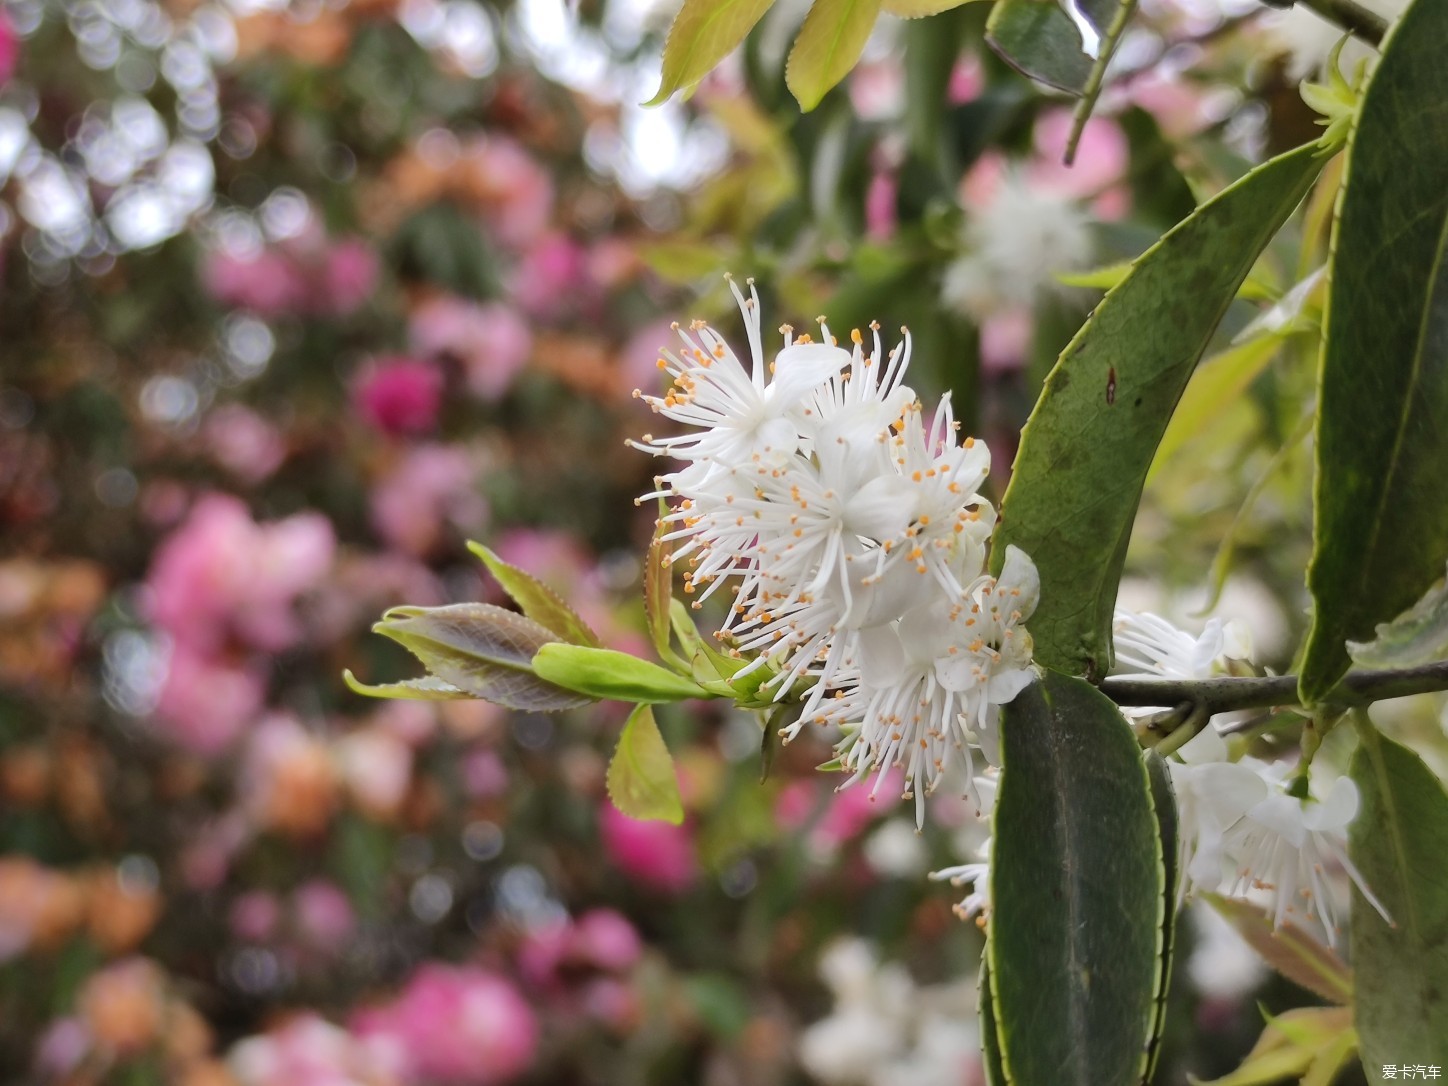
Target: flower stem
{"type": "Point", "coordinates": [1230, 693]}
{"type": "Point", "coordinates": [1361, 22]}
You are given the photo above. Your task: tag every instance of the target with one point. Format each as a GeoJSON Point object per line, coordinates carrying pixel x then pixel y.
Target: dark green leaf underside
{"type": "Point", "coordinates": [1077, 885]}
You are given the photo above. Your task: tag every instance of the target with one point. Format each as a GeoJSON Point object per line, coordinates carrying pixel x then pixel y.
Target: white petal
{"type": "Point", "coordinates": [1334, 812]}
{"type": "Point", "coordinates": [1019, 572]}
{"type": "Point", "coordinates": [803, 367]}
{"type": "Point", "coordinates": [882, 657]}
{"type": "Point", "coordinates": [1005, 685]}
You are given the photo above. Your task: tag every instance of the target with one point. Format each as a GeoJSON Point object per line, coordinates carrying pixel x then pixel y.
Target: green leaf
{"type": "Point", "coordinates": [603, 673]}
{"type": "Point", "coordinates": [1418, 636]}
{"type": "Point", "coordinates": [1216, 383]}
{"type": "Point", "coordinates": [641, 778]}
{"type": "Point", "coordinates": [1076, 885]}
{"type": "Point", "coordinates": [1292, 1044]}
{"type": "Point", "coordinates": [484, 650]}
{"type": "Point", "coordinates": [538, 601]}
{"type": "Point", "coordinates": [1163, 805]}
{"type": "Point", "coordinates": [829, 43]}
{"type": "Point", "coordinates": [427, 688]}
{"type": "Point", "coordinates": [918, 9]}
{"type": "Point", "coordinates": [1381, 494]}
{"type": "Point", "coordinates": [990, 1041]}
{"type": "Point", "coordinates": [704, 33]}
{"type": "Point", "coordinates": [1039, 40]}
{"type": "Point", "coordinates": [1296, 955]}
{"type": "Point", "coordinates": [1398, 842]}
{"type": "Point", "coordinates": [1085, 452]}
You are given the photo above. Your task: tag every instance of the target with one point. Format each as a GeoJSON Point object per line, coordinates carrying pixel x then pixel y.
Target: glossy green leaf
{"type": "Point", "coordinates": [603, 673]}
{"type": "Point", "coordinates": [537, 600]}
{"type": "Point", "coordinates": [1085, 452]}
{"type": "Point", "coordinates": [1076, 884]}
{"type": "Point", "coordinates": [1381, 496]}
{"type": "Point", "coordinates": [484, 650]}
{"type": "Point", "coordinates": [1039, 40]}
{"type": "Point", "coordinates": [1299, 957]}
{"type": "Point", "coordinates": [1217, 382]}
{"type": "Point", "coordinates": [1163, 805]}
{"type": "Point", "coordinates": [641, 779]}
{"type": "Point", "coordinates": [1418, 636]}
{"type": "Point", "coordinates": [1398, 843]}
{"type": "Point", "coordinates": [704, 33]}
{"type": "Point", "coordinates": [829, 43]}
{"type": "Point", "coordinates": [427, 688]}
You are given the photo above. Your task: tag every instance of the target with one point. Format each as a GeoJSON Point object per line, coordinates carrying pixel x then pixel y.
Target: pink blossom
{"type": "Point", "coordinates": [256, 916]}
{"type": "Point", "coordinates": [639, 359]}
{"type": "Point", "coordinates": [244, 443]}
{"type": "Point", "coordinates": [484, 775]}
{"type": "Point", "coordinates": [377, 767]}
{"type": "Point", "coordinates": [348, 278]}
{"type": "Point", "coordinates": [515, 191]}
{"type": "Point", "coordinates": [223, 574]}
{"type": "Point", "coordinates": [1005, 339]}
{"type": "Point", "coordinates": [305, 1051]}
{"type": "Point", "coordinates": [398, 395]}
{"type": "Point", "coordinates": [204, 702]}
{"type": "Point", "coordinates": [9, 48]}
{"type": "Point", "coordinates": [452, 1026]}
{"type": "Point", "coordinates": [324, 915]}
{"type": "Point", "coordinates": [877, 89]}
{"type": "Point", "coordinates": [880, 219]}
{"type": "Point", "coordinates": [550, 276]}
{"type": "Point", "coordinates": [491, 340]}
{"type": "Point", "coordinates": [606, 939]}
{"type": "Point", "coordinates": [611, 1001]}
{"type": "Point", "coordinates": [654, 854]}
{"type": "Point", "coordinates": [429, 488]}
{"type": "Point", "coordinates": [61, 1048]}
{"type": "Point", "coordinates": [268, 282]}
{"type": "Point", "coordinates": [831, 818]}
{"type": "Point", "coordinates": [967, 80]}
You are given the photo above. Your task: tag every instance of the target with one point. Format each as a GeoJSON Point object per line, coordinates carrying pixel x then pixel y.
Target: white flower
{"type": "Point", "coordinates": [1287, 845]}
{"type": "Point", "coordinates": [1212, 795]}
{"type": "Point", "coordinates": [976, 875]}
{"type": "Point", "coordinates": [1015, 248]}
{"type": "Point", "coordinates": [927, 686]}
{"type": "Point", "coordinates": [1222, 965]}
{"type": "Point", "coordinates": [895, 850]}
{"type": "Point", "coordinates": [1149, 647]}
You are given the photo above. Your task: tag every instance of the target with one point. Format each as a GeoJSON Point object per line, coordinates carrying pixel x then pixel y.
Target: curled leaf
{"type": "Point", "coordinates": [537, 600]}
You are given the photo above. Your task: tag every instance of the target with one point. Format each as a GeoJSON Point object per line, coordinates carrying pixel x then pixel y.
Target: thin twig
{"type": "Point", "coordinates": [1230, 693]}
{"type": "Point", "coordinates": [1362, 23]}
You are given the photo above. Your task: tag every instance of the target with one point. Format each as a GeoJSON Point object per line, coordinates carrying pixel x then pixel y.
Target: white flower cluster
{"type": "Point", "coordinates": [1241, 829]}
{"type": "Point", "coordinates": [885, 1030]}
{"type": "Point", "coordinates": [849, 526]}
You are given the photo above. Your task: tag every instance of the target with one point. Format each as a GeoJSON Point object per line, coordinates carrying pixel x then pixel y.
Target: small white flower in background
{"type": "Point", "coordinates": [849, 525]}
{"type": "Point", "coordinates": [884, 1030]}
{"type": "Point", "coordinates": [1308, 39]}
{"type": "Point", "coordinates": [895, 850]}
{"type": "Point", "coordinates": [1015, 248]}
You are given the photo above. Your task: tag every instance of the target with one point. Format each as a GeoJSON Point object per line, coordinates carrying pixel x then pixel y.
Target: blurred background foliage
{"type": "Point", "coordinates": [299, 298]}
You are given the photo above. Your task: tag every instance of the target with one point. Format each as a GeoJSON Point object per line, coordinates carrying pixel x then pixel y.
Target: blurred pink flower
{"type": "Point", "coordinates": [550, 276]}
{"type": "Point", "coordinates": [452, 1026]}
{"type": "Point", "coordinates": [429, 488]}
{"type": "Point", "coordinates": [835, 816]}
{"type": "Point", "coordinates": [220, 573]}
{"type": "Point", "coordinates": [655, 854]}
{"type": "Point", "coordinates": [611, 1001]}
{"type": "Point", "coordinates": [323, 915]}
{"type": "Point", "coordinates": [1096, 175]}
{"type": "Point", "coordinates": [880, 219]}
{"type": "Point", "coordinates": [61, 1048]}
{"type": "Point", "coordinates": [267, 282]}
{"type": "Point", "coordinates": [398, 394]}
{"type": "Point", "coordinates": [491, 340]}
{"type": "Point", "coordinates": [9, 48]}
{"type": "Point", "coordinates": [305, 1051]}
{"type": "Point", "coordinates": [967, 80]}
{"type": "Point", "coordinates": [484, 774]}
{"type": "Point", "coordinates": [205, 702]}
{"type": "Point", "coordinates": [287, 782]}
{"type": "Point", "coordinates": [606, 939]}
{"type": "Point", "coordinates": [877, 89]}
{"type": "Point", "coordinates": [243, 442]}
{"type": "Point", "coordinates": [347, 279]}
{"type": "Point", "coordinates": [516, 192]}
{"type": "Point", "coordinates": [256, 916]}
{"type": "Point", "coordinates": [1005, 339]}
{"type": "Point", "coordinates": [639, 359]}
{"type": "Point", "coordinates": [377, 766]}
